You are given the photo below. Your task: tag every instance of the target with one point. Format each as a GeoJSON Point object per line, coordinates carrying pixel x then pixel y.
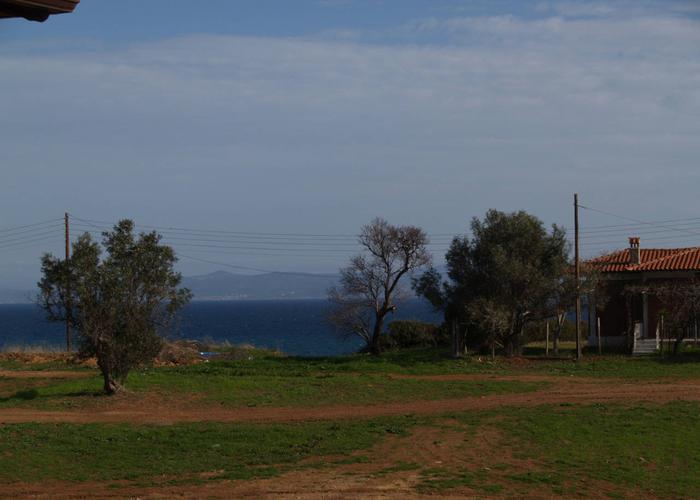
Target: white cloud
{"type": "Point", "coordinates": [578, 9]}
{"type": "Point", "coordinates": [288, 134]}
{"type": "Point", "coordinates": [618, 8]}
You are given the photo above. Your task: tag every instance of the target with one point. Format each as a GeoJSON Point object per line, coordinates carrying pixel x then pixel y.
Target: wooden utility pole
{"type": "Point", "coordinates": [578, 280]}
{"type": "Point", "coordinates": [68, 290]}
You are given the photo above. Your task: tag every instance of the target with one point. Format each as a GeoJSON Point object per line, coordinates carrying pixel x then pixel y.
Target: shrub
{"type": "Point", "coordinates": [407, 334]}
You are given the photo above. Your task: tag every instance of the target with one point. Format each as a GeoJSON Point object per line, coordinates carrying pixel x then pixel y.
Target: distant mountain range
{"type": "Point", "coordinates": [10, 296]}
{"type": "Point", "coordinates": [222, 285]}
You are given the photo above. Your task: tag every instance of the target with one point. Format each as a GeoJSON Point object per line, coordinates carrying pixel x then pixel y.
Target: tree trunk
{"type": "Point", "coordinates": [111, 385]}
{"type": "Point", "coordinates": [456, 341]}
{"type": "Point", "coordinates": [557, 334]}
{"type": "Point", "coordinates": [630, 325]}
{"type": "Point", "coordinates": [513, 344]}
{"type": "Point", "coordinates": [508, 341]}
{"type": "Point", "coordinates": [679, 340]}
{"type": "Point", "coordinates": [374, 347]}
{"type": "Point", "coordinates": [508, 348]}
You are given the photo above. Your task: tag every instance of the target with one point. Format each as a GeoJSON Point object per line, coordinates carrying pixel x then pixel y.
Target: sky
{"type": "Point", "coordinates": [267, 132]}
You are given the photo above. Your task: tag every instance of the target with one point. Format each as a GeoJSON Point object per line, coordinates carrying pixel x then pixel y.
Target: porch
{"type": "Point", "coordinates": [633, 322]}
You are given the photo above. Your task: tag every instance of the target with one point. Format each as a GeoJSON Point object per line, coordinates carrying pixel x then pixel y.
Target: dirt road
{"type": "Point", "coordinates": [152, 410]}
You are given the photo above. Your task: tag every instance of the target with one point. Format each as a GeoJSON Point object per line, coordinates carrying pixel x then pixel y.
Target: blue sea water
{"type": "Point", "coordinates": [296, 327]}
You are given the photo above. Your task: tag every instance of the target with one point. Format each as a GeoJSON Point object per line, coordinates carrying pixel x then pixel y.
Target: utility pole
{"type": "Point", "coordinates": [578, 280]}
{"type": "Point", "coordinates": [68, 290]}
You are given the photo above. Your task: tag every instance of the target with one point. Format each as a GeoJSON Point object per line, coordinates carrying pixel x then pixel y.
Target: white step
{"type": "Point", "coordinates": [644, 346]}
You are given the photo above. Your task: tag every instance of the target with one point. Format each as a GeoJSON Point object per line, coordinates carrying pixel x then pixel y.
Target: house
{"type": "Point", "coordinates": [632, 318]}
{"type": "Point", "coordinates": [36, 10]}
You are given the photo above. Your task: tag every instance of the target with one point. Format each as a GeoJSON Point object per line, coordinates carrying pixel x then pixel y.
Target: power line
{"type": "Point", "coordinates": [638, 221]}
{"type": "Point", "coordinates": [645, 229]}
{"type": "Point", "coordinates": [4, 240]}
{"type": "Point", "coordinates": [17, 228]}
{"type": "Point", "coordinates": [234, 266]}
{"type": "Point", "coordinates": [330, 257]}
{"type": "Point", "coordinates": [304, 249]}
{"type": "Point", "coordinates": [656, 238]}
{"type": "Point", "coordinates": [245, 240]}
{"type": "Point", "coordinates": [606, 241]}
{"type": "Point", "coordinates": [28, 232]}
{"type": "Point", "coordinates": [613, 226]}
{"type": "Point", "coordinates": [320, 245]}
{"type": "Point", "coordinates": [170, 229]}
{"type": "Point", "coordinates": [250, 233]}
{"type": "Point", "coordinates": [31, 241]}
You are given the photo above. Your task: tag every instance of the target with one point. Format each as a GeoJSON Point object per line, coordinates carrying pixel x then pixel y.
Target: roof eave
{"type": "Point", "coordinates": [36, 10]}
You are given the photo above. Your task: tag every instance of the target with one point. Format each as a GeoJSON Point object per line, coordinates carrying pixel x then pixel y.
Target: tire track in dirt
{"type": "Point", "coordinates": [448, 447]}
{"type": "Point", "coordinates": [45, 374]}
{"type": "Point", "coordinates": [169, 412]}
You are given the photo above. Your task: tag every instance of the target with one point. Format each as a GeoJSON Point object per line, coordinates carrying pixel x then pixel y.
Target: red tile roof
{"type": "Point", "coordinates": [651, 259]}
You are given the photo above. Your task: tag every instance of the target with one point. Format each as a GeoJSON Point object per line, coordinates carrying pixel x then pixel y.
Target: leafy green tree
{"type": "Point", "coordinates": [371, 285]}
{"type": "Point", "coordinates": [117, 303]}
{"type": "Point", "coordinates": [506, 275]}
{"type": "Point", "coordinates": [563, 298]}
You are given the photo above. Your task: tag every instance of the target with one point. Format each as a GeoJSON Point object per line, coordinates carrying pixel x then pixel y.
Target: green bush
{"type": "Point", "coordinates": [407, 334]}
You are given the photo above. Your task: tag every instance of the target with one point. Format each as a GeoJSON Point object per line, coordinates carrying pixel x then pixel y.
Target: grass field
{"type": "Point", "coordinates": [38, 452]}
{"type": "Point", "coordinates": [424, 362]}
{"type": "Point", "coordinates": [556, 450]}
{"type": "Point", "coordinates": [579, 450]}
{"type": "Point", "coordinates": [638, 445]}
{"type": "Point", "coordinates": [272, 380]}
{"type": "Point", "coordinates": [217, 387]}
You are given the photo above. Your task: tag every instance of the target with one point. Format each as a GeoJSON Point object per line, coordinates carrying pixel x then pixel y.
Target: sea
{"type": "Point", "coordinates": [296, 327]}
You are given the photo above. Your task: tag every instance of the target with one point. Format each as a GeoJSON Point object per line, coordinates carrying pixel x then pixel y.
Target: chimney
{"type": "Point", "coordinates": [635, 252]}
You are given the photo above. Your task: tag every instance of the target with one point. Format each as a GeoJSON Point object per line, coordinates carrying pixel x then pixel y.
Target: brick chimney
{"type": "Point", "coordinates": [635, 252]}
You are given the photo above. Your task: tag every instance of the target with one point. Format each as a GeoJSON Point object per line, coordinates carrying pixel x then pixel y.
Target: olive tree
{"type": "Point", "coordinates": [506, 275]}
{"type": "Point", "coordinates": [117, 302]}
{"type": "Point", "coordinates": [371, 285]}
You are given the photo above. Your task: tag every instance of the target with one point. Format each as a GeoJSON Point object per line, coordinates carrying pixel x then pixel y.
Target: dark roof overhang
{"type": "Point", "coordinates": [36, 10]}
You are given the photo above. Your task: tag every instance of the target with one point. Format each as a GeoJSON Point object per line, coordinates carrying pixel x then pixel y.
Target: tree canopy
{"type": "Point", "coordinates": [371, 285]}
{"type": "Point", "coordinates": [117, 303]}
{"type": "Point", "coordinates": [507, 274]}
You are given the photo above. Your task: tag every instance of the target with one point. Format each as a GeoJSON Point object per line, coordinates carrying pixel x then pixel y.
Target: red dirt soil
{"type": "Point", "coordinates": [562, 390]}
{"type": "Point", "coordinates": [44, 374]}
{"type": "Point", "coordinates": [451, 447]}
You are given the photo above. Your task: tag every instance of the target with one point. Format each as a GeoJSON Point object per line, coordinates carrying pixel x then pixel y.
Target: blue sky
{"type": "Point", "coordinates": [135, 20]}
{"type": "Point", "coordinates": [314, 116]}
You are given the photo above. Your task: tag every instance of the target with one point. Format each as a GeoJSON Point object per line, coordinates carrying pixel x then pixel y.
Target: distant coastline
{"type": "Point", "coordinates": [293, 325]}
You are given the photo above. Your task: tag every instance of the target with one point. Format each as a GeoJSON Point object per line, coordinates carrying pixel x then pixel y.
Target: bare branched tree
{"type": "Point", "coordinates": [371, 285]}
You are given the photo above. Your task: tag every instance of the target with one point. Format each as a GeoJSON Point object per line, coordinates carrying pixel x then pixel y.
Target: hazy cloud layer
{"type": "Point", "coordinates": [321, 134]}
